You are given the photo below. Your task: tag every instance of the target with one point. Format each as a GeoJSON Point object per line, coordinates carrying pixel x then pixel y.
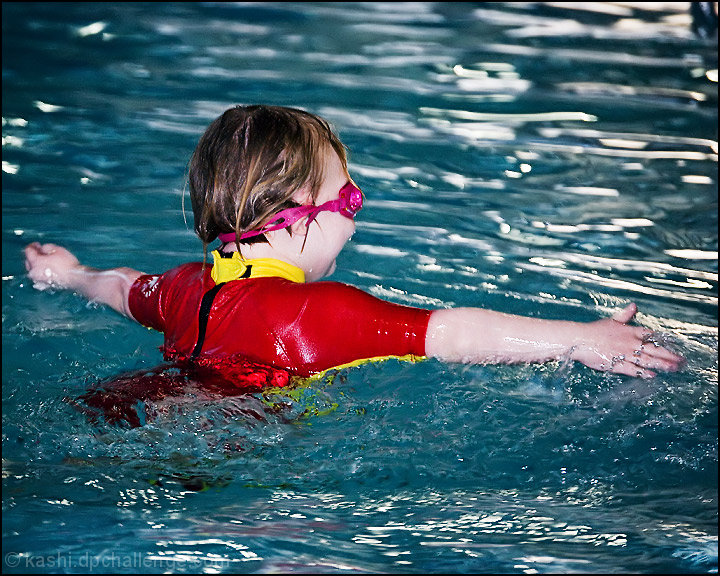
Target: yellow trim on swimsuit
{"type": "Point", "coordinates": [361, 361]}
{"type": "Point", "coordinates": [235, 267]}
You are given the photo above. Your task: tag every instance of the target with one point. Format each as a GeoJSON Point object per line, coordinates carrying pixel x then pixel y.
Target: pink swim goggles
{"type": "Point", "coordinates": [348, 204]}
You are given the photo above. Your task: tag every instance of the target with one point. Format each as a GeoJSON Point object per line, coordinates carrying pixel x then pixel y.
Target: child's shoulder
{"type": "Point", "coordinates": [181, 276]}
{"type": "Point", "coordinates": [187, 272]}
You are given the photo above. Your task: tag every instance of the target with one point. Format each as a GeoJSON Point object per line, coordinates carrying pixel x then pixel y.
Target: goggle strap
{"type": "Point", "coordinates": [289, 216]}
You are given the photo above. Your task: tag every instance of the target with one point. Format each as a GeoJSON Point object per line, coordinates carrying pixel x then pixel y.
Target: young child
{"type": "Point", "coordinates": [272, 184]}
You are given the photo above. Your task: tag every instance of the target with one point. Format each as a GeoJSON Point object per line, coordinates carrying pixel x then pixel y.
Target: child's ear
{"type": "Point", "coordinates": [302, 195]}
{"type": "Point", "coordinates": [300, 227]}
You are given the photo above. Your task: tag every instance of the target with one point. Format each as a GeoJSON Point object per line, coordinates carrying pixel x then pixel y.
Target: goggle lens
{"type": "Point", "coordinates": [352, 200]}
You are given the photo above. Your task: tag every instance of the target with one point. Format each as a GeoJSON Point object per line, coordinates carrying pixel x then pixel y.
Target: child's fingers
{"type": "Point", "coordinates": [657, 363]}
{"type": "Point", "coordinates": [35, 250]}
{"type": "Point", "coordinates": [631, 369]}
{"type": "Point", "coordinates": [661, 352]}
{"type": "Point", "coordinates": [649, 346]}
{"type": "Point", "coordinates": [664, 359]}
{"type": "Point", "coordinates": [652, 357]}
{"type": "Point", "coordinates": [36, 262]}
{"type": "Point", "coordinates": [45, 249]}
{"type": "Point", "coordinates": [31, 254]}
{"type": "Point", "coordinates": [645, 360]}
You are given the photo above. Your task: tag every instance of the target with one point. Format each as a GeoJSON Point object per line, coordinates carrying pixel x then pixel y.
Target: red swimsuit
{"type": "Point", "coordinates": [298, 327]}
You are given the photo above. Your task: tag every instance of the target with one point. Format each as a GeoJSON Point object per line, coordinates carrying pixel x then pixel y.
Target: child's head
{"type": "Point", "coordinates": [249, 163]}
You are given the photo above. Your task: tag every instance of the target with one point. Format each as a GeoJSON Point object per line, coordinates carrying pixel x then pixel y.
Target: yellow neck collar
{"type": "Point", "coordinates": [235, 267]}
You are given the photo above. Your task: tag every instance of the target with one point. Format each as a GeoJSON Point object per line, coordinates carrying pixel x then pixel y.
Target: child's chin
{"type": "Point", "coordinates": [330, 269]}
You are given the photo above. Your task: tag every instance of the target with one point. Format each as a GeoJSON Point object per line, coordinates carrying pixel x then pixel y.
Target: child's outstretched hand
{"type": "Point", "coordinates": [49, 265]}
{"type": "Point", "coordinates": [52, 266]}
{"type": "Point", "coordinates": [479, 335]}
{"type": "Point", "coordinates": [612, 345]}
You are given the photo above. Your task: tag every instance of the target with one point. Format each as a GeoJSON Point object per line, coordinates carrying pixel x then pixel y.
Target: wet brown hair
{"type": "Point", "coordinates": [249, 163]}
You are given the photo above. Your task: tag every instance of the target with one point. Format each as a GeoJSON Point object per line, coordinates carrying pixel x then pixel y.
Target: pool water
{"type": "Point", "coordinates": [555, 160]}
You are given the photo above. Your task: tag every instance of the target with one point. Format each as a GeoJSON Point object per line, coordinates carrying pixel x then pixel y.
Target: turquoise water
{"type": "Point", "coordinates": [547, 160]}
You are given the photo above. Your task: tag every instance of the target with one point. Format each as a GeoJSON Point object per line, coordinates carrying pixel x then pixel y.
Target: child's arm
{"type": "Point", "coordinates": [49, 265]}
{"type": "Point", "coordinates": [484, 336]}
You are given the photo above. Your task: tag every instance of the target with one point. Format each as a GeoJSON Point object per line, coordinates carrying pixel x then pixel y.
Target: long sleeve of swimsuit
{"type": "Point", "coordinates": [303, 328]}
